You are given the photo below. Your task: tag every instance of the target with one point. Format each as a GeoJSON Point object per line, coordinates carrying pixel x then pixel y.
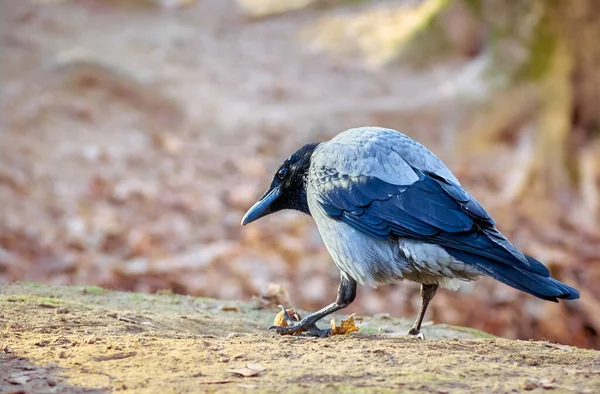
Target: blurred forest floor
{"type": "Point", "coordinates": [135, 135]}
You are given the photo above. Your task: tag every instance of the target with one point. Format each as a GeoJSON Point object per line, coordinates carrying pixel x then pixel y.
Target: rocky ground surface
{"type": "Point", "coordinates": [91, 340]}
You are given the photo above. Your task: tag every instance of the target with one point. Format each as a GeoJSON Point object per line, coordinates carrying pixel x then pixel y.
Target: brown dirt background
{"type": "Point", "coordinates": [89, 340]}
{"type": "Point", "coordinates": [134, 137]}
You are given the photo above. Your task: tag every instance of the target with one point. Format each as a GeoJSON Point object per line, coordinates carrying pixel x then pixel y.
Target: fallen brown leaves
{"type": "Point", "coordinates": [346, 326]}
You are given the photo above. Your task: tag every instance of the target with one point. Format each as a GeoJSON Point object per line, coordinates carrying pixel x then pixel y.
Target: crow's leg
{"type": "Point", "coordinates": [345, 296]}
{"type": "Point", "coordinates": [427, 293]}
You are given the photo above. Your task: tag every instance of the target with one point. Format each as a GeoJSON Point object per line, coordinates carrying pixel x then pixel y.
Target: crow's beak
{"type": "Point", "coordinates": [262, 207]}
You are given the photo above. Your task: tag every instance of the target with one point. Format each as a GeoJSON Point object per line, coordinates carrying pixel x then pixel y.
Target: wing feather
{"type": "Point", "coordinates": [432, 209]}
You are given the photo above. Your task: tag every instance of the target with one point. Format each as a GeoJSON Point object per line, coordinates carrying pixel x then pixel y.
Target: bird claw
{"type": "Point", "coordinates": [315, 331]}
{"type": "Point", "coordinates": [284, 330]}
{"type": "Point", "coordinates": [295, 327]}
{"type": "Point", "coordinates": [416, 334]}
{"type": "Point", "coordinates": [286, 316]}
{"type": "Point", "coordinates": [305, 330]}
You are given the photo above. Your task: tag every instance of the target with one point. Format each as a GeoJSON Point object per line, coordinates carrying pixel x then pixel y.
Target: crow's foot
{"type": "Point", "coordinates": [416, 333]}
{"type": "Point", "coordinates": [305, 326]}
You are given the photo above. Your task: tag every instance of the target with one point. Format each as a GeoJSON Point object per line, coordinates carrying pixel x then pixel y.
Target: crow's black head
{"type": "Point", "coordinates": [288, 188]}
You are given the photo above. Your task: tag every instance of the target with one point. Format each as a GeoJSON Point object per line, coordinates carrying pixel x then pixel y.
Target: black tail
{"type": "Point", "coordinates": [533, 280]}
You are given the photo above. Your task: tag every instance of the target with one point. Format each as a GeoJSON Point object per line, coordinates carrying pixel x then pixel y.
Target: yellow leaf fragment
{"type": "Point", "coordinates": [279, 321]}
{"type": "Point", "coordinates": [346, 326]}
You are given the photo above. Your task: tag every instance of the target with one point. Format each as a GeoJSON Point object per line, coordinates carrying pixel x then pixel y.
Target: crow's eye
{"type": "Point", "coordinates": [282, 173]}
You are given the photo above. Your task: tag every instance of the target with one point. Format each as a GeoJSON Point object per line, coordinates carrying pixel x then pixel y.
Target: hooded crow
{"type": "Point", "coordinates": [387, 210]}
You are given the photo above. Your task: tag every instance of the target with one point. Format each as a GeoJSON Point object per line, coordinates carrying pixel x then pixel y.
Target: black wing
{"type": "Point", "coordinates": [432, 209]}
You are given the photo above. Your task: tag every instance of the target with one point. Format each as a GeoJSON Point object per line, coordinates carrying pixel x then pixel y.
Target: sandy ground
{"type": "Point", "coordinates": [87, 339]}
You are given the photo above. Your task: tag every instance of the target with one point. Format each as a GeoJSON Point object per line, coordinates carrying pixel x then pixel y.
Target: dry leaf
{"type": "Point", "coordinates": [167, 142]}
{"type": "Point", "coordinates": [256, 367]}
{"type": "Point", "coordinates": [245, 372]}
{"type": "Point", "coordinates": [248, 371]}
{"type": "Point", "coordinates": [279, 321]}
{"type": "Point", "coordinates": [271, 297]}
{"type": "Point", "coordinates": [346, 326]}
{"type": "Point", "coordinates": [226, 308]}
